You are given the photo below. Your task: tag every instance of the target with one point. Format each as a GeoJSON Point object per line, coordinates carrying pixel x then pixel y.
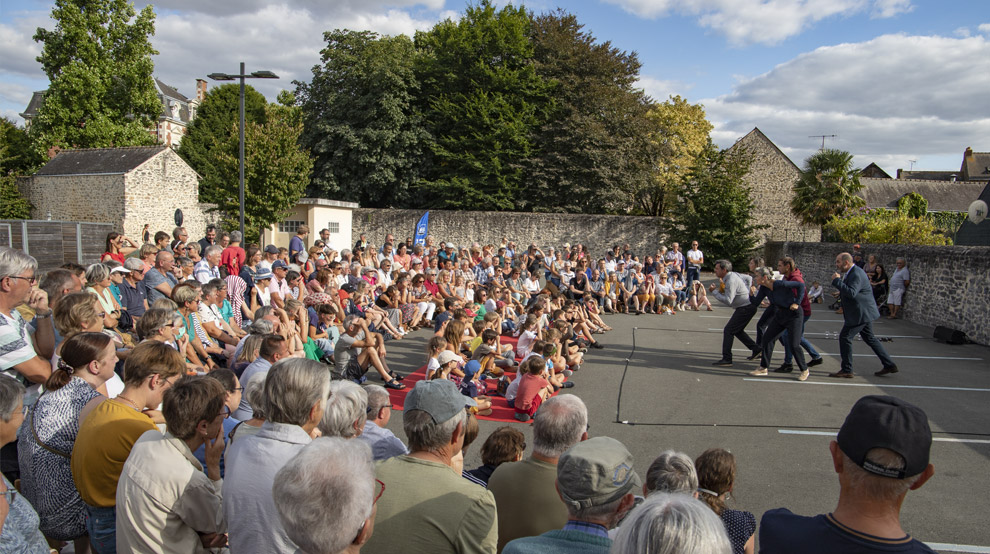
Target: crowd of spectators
{"type": "Point", "coordinates": [182, 396]}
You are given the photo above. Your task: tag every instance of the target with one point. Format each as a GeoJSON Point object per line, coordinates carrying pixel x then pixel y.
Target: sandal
{"type": "Point", "coordinates": [396, 376]}
{"type": "Point", "coordinates": [393, 384]}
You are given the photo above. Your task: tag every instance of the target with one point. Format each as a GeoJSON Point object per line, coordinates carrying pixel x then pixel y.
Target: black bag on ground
{"type": "Point", "coordinates": [949, 335]}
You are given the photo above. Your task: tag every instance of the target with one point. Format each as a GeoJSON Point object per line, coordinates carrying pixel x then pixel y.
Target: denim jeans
{"type": "Point", "coordinates": [786, 341]}
{"type": "Point", "coordinates": [101, 524]}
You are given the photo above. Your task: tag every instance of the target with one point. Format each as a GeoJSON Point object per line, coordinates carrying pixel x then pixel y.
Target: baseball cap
{"type": "Point", "coordinates": [470, 368]}
{"type": "Point", "coordinates": [446, 357]}
{"type": "Point", "coordinates": [120, 269]}
{"type": "Point", "coordinates": [439, 398]}
{"type": "Point", "coordinates": [416, 261]}
{"type": "Point", "coordinates": [271, 249]}
{"type": "Point", "coordinates": [279, 264]}
{"type": "Point", "coordinates": [595, 472]}
{"type": "Point", "coordinates": [887, 422]}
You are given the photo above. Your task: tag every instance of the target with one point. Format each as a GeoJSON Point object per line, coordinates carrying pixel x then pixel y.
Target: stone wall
{"type": "Point", "coordinates": [598, 232]}
{"type": "Point", "coordinates": [93, 198]}
{"type": "Point", "coordinates": [156, 188]}
{"type": "Point", "coordinates": [950, 285]}
{"type": "Point", "coordinates": [771, 180]}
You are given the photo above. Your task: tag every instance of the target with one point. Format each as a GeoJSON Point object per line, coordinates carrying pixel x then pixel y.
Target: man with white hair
{"type": "Point", "coordinates": [430, 507]}
{"type": "Point", "coordinates": [346, 411]}
{"type": "Point", "coordinates": [296, 391]}
{"type": "Point", "coordinates": [208, 268]}
{"type": "Point", "coordinates": [384, 444]}
{"type": "Point", "coordinates": [327, 492]}
{"type": "Point", "coordinates": [20, 353]}
{"type": "Point", "coordinates": [527, 500]}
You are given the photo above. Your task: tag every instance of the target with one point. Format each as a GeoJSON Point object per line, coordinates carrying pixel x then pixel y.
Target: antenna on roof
{"type": "Point", "coordinates": [912, 164]}
{"type": "Point", "coordinates": [823, 137]}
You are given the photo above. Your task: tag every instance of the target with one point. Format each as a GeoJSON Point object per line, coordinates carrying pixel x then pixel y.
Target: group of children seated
{"type": "Point", "coordinates": [553, 334]}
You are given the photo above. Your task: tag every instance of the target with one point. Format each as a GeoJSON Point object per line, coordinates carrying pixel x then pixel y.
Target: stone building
{"type": "Point", "coordinates": [317, 213]}
{"type": "Point", "coordinates": [771, 181]}
{"type": "Point", "coordinates": [975, 167]}
{"type": "Point", "coordinates": [178, 112]}
{"type": "Point", "coordinates": [126, 187]}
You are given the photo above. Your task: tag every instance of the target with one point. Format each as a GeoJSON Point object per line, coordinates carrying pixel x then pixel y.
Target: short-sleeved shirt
{"type": "Point", "coordinates": [694, 255]}
{"type": "Point", "coordinates": [153, 278]}
{"type": "Point", "coordinates": [740, 526]}
{"type": "Point", "coordinates": [295, 246]}
{"type": "Point", "coordinates": [133, 298]}
{"type": "Point", "coordinates": [16, 346]}
{"type": "Point", "coordinates": [784, 532]}
{"type": "Point", "coordinates": [104, 441]}
{"type": "Point", "coordinates": [344, 350]}
{"type": "Point", "coordinates": [898, 278]}
{"type": "Point", "coordinates": [529, 386]}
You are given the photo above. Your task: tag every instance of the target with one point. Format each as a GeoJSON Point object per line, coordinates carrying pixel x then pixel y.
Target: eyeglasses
{"type": "Point", "coordinates": [101, 315]}
{"type": "Point", "coordinates": [225, 412]}
{"type": "Point", "coordinates": [32, 279]}
{"type": "Point", "coordinates": [236, 389]}
{"type": "Point", "coordinates": [11, 494]}
{"type": "Point", "coordinates": [380, 487]}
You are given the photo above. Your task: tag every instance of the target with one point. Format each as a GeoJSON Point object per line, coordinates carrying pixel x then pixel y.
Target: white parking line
{"type": "Point", "coordinates": [832, 434]}
{"type": "Point", "coordinates": [886, 386]}
{"type": "Point", "coordinates": [874, 355]}
{"type": "Point", "coordinates": [945, 547]}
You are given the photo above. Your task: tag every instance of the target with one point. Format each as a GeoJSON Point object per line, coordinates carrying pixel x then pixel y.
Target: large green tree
{"type": "Point", "coordinates": [481, 101]}
{"type": "Point", "coordinates": [16, 158]}
{"type": "Point", "coordinates": [98, 62]}
{"type": "Point", "coordinates": [360, 121]}
{"type": "Point", "coordinates": [276, 169]}
{"type": "Point", "coordinates": [715, 207]}
{"type": "Point", "coordinates": [588, 147]}
{"type": "Point", "coordinates": [216, 118]}
{"type": "Point", "coordinates": [826, 187]}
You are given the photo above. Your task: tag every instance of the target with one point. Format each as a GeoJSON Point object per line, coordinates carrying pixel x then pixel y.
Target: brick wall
{"type": "Point", "coordinates": [950, 285]}
{"type": "Point", "coordinates": [644, 234]}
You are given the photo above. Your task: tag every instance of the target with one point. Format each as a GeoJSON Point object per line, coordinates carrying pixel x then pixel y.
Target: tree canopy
{"type": "Point", "coordinates": [826, 187]}
{"type": "Point", "coordinates": [98, 62]}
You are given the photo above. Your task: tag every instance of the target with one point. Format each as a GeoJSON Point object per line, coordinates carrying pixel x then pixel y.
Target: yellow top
{"type": "Point", "coordinates": [104, 441]}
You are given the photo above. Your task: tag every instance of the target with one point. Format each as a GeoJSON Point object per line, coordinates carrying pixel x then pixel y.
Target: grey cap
{"type": "Point", "coordinates": [439, 398]}
{"type": "Point", "coordinates": [271, 249]}
{"type": "Point", "coordinates": [595, 472]}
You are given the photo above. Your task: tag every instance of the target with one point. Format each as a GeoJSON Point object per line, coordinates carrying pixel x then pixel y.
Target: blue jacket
{"type": "Point", "coordinates": [856, 296]}
{"type": "Point", "coordinates": [783, 295]}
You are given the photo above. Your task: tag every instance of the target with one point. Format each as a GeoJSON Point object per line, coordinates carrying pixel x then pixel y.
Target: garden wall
{"type": "Point", "coordinates": [950, 285]}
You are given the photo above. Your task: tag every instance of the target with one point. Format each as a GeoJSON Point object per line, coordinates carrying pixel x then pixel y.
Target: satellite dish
{"type": "Point", "coordinates": [977, 211]}
{"type": "Point", "coordinates": [178, 218]}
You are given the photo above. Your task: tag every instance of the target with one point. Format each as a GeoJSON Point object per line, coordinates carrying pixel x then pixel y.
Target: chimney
{"type": "Point", "coordinates": [899, 170]}
{"type": "Point", "coordinates": [200, 89]}
{"type": "Point", "coordinates": [968, 154]}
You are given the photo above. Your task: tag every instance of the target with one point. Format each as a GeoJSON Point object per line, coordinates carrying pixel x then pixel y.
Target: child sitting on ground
{"type": "Point", "coordinates": [493, 358]}
{"type": "Point", "coordinates": [815, 293]}
{"type": "Point", "coordinates": [472, 385]}
{"type": "Point", "coordinates": [434, 347]}
{"type": "Point", "coordinates": [530, 333]}
{"type": "Point", "coordinates": [532, 390]}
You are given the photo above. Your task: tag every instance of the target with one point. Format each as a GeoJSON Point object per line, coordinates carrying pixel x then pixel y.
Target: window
{"type": "Point", "coordinates": [289, 225]}
{"type": "Point", "coordinates": [333, 227]}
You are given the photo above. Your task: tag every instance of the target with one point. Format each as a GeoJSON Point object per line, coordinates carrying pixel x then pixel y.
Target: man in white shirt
{"type": "Point", "coordinates": [899, 282]}
{"type": "Point", "coordinates": [208, 268]}
{"type": "Point", "coordinates": [694, 260]}
{"type": "Point", "coordinates": [271, 254]}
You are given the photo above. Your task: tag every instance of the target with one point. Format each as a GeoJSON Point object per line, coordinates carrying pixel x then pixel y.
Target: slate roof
{"type": "Point", "coordinates": [942, 196]}
{"type": "Point", "coordinates": [875, 171]}
{"type": "Point", "coordinates": [37, 99]}
{"type": "Point", "coordinates": [99, 161]}
{"type": "Point", "coordinates": [976, 167]}
{"type": "Point", "coordinates": [927, 175]}
{"type": "Point", "coordinates": [168, 95]}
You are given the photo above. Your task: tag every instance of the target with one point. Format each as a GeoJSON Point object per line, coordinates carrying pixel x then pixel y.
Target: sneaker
{"type": "Point", "coordinates": [522, 416]}
{"type": "Point", "coordinates": [759, 372]}
{"type": "Point", "coordinates": [723, 363]}
{"type": "Point", "coordinates": [567, 385]}
{"type": "Point", "coordinates": [756, 354]}
{"type": "Point", "coordinates": [804, 375]}
{"type": "Point", "coordinates": [815, 361]}
{"type": "Point", "coordinates": [784, 368]}
{"type": "Point", "coordinates": [568, 372]}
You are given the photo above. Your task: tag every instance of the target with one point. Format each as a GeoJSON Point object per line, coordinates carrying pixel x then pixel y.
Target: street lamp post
{"type": "Point", "coordinates": [242, 76]}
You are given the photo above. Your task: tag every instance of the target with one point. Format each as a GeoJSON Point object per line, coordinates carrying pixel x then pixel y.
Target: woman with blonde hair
{"type": "Point", "coordinates": [98, 283]}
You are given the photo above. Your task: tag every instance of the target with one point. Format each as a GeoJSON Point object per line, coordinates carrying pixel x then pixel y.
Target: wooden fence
{"type": "Point", "coordinates": [54, 243]}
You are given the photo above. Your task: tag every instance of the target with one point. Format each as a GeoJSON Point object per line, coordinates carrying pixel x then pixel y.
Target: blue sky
{"type": "Point", "coordinates": [896, 80]}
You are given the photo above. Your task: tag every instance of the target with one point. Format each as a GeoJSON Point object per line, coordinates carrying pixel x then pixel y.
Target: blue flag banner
{"type": "Point", "coordinates": [421, 227]}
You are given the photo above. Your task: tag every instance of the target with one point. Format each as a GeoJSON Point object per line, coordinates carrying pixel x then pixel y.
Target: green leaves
{"type": "Point", "coordinates": [826, 187]}
{"type": "Point", "coordinates": [98, 62]}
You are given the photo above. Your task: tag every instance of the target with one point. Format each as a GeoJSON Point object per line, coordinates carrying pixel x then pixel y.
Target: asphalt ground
{"type": "Point", "coordinates": [653, 388]}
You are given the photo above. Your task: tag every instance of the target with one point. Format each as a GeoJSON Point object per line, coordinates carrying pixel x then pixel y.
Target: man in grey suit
{"type": "Point", "coordinates": [733, 291]}
{"type": "Point", "coordinates": [859, 309]}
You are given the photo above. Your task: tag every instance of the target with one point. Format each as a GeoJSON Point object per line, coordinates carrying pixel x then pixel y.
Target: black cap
{"type": "Point", "coordinates": [887, 422]}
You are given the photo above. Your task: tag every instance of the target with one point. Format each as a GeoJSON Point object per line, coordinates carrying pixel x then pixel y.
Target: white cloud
{"type": "Point", "coordinates": [984, 28]}
{"type": "Point", "coordinates": [660, 90]}
{"type": "Point", "coordinates": [895, 97]}
{"type": "Point", "coordinates": [761, 21]}
{"type": "Point", "coordinates": [18, 49]}
{"type": "Point", "coordinates": [962, 32]}
{"type": "Point", "coordinates": [319, 8]}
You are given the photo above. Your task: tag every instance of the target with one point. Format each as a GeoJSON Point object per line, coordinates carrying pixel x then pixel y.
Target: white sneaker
{"type": "Point", "coordinates": [758, 372]}
{"type": "Point", "coordinates": [804, 375]}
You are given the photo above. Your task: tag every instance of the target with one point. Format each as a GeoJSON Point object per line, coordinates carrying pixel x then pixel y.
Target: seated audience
{"type": "Point", "coordinates": [671, 524]}
{"type": "Point", "coordinates": [384, 444]}
{"type": "Point", "coordinates": [716, 477]}
{"type": "Point", "coordinates": [346, 411]}
{"type": "Point", "coordinates": [505, 444]}
{"type": "Point", "coordinates": [671, 472]}
{"type": "Point", "coordinates": [18, 521]}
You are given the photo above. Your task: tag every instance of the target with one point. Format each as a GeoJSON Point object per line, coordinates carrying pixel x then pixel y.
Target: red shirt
{"type": "Point", "coordinates": [233, 258]}
{"type": "Point", "coordinates": [529, 387]}
{"type": "Point", "coordinates": [805, 302]}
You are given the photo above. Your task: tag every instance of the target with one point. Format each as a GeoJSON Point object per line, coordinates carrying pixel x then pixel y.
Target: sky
{"type": "Point", "coordinates": [902, 83]}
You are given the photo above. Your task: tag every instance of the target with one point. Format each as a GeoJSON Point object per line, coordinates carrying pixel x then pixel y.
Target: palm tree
{"type": "Point", "coordinates": [826, 187]}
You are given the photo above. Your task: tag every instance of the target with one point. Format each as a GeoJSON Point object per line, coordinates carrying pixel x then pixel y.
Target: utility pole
{"type": "Point", "coordinates": [823, 137]}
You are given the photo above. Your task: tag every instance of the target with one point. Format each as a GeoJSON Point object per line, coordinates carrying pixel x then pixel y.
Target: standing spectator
{"type": "Point", "coordinates": [115, 249]}
{"type": "Point", "coordinates": [297, 244]}
{"type": "Point", "coordinates": [167, 503]}
{"type": "Point", "coordinates": [527, 500]}
{"type": "Point", "coordinates": [695, 259]}
{"type": "Point", "coordinates": [210, 239]}
{"type": "Point", "coordinates": [716, 478]}
{"type": "Point", "coordinates": [384, 444]}
{"type": "Point", "coordinates": [733, 291]}
{"type": "Point", "coordinates": [324, 493]}
{"type": "Point", "coordinates": [159, 280]}
{"type": "Point", "coordinates": [672, 523]}
{"type": "Point", "coordinates": [596, 482]}
{"type": "Point", "coordinates": [111, 428]}
{"type": "Point", "coordinates": [859, 309]}
{"type": "Point", "coordinates": [881, 453]}
{"type": "Point", "coordinates": [20, 353]}
{"type": "Point", "coordinates": [233, 256]}
{"type": "Point", "coordinates": [46, 439]}
{"type": "Point", "coordinates": [900, 280]}
{"type": "Point", "coordinates": [296, 390]}
{"type": "Point", "coordinates": [431, 508]}
{"type": "Point", "coordinates": [18, 520]}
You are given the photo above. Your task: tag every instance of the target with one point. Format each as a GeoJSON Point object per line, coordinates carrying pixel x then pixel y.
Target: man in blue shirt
{"type": "Point", "coordinates": [384, 444]}
{"type": "Point", "coordinates": [296, 244]}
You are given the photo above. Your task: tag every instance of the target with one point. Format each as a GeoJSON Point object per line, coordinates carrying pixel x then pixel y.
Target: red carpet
{"type": "Point", "coordinates": [500, 409]}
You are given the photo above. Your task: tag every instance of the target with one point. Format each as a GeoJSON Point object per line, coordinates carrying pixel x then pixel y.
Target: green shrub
{"type": "Point", "coordinates": [879, 226]}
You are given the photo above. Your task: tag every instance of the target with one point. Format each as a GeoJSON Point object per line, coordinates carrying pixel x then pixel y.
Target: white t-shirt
{"type": "Point", "coordinates": [432, 365]}
{"type": "Point", "coordinates": [526, 340]}
{"type": "Point", "coordinates": [531, 284]}
{"type": "Point", "coordinates": [898, 278]}
{"type": "Point", "coordinates": [694, 258]}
